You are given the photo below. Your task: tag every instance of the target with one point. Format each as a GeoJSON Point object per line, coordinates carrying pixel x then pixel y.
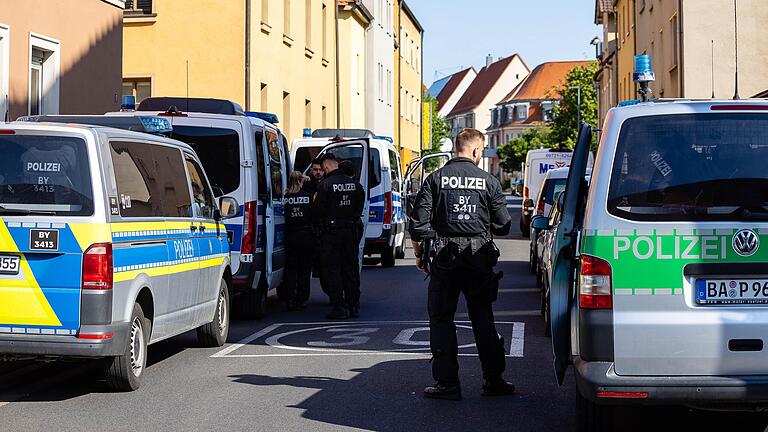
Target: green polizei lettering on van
{"type": "Point", "coordinates": [652, 262]}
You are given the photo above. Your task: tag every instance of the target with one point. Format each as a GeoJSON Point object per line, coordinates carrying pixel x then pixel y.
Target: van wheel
{"type": "Point", "coordinates": [547, 317]}
{"type": "Point", "coordinates": [124, 371]}
{"type": "Point", "coordinates": [254, 302]}
{"type": "Point", "coordinates": [532, 266]}
{"type": "Point", "coordinates": [214, 334]}
{"type": "Point", "coordinates": [591, 417]}
{"type": "Point", "coordinates": [400, 251]}
{"type": "Point", "coordinates": [525, 229]}
{"type": "Point", "coordinates": [388, 257]}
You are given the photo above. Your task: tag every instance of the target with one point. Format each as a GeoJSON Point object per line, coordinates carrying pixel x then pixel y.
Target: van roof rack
{"type": "Point", "coordinates": [344, 133]}
{"type": "Point", "coordinates": [199, 105]}
{"type": "Point", "coordinates": [146, 124]}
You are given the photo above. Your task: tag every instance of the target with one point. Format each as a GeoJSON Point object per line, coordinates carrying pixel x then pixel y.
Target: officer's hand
{"type": "Point", "coordinates": [420, 265]}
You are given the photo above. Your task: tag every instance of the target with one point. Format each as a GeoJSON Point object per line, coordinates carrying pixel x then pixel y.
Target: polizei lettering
{"type": "Point", "coordinates": [476, 183]}
{"type": "Point", "coordinates": [671, 248]}
{"type": "Point", "coordinates": [44, 166]}
{"type": "Point", "coordinates": [297, 200]}
{"type": "Point", "coordinates": [346, 187]}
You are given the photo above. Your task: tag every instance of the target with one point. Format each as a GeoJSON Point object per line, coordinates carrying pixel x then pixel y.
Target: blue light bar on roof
{"type": "Point", "coordinates": [643, 69]}
{"type": "Point", "coordinates": [385, 138]}
{"type": "Point", "coordinates": [156, 125]}
{"type": "Point", "coordinates": [267, 117]}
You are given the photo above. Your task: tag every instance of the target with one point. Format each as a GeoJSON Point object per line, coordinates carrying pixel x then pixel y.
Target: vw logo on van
{"type": "Point", "coordinates": [746, 242]}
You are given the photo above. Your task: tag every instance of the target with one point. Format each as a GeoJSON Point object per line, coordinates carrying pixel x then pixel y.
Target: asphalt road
{"type": "Point", "coordinates": [294, 371]}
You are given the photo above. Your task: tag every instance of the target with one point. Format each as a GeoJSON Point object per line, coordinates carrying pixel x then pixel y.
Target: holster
{"type": "Point", "coordinates": [494, 284]}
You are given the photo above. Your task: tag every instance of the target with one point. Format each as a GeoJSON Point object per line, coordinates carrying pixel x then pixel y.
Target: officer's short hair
{"type": "Point", "coordinates": [466, 136]}
{"type": "Point", "coordinates": [327, 157]}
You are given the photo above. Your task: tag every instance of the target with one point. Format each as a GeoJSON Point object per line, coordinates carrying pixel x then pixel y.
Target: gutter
{"type": "Point", "coordinates": [398, 45]}
{"type": "Point", "coordinates": [680, 48]}
{"type": "Point", "coordinates": [248, 55]}
{"type": "Point", "coordinates": [338, 49]}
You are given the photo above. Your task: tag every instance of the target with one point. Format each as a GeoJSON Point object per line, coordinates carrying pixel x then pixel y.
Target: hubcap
{"type": "Point", "coordinates": [137, 347]}
{"type": "Point", "coordinates": [222, 312]}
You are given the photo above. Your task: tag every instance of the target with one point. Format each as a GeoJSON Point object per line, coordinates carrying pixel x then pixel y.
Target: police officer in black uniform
{"type": "Point", "coordinates": [459, 208]}
{"type": "Point", "coordinates": [300, 242]}
{"type": "Point", "coordinates": [339, 204]}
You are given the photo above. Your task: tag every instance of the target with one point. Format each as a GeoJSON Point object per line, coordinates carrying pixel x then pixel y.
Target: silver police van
{"type": "Point", "coordinates": [660, 282]}
{"type": "Point", "coordinates": [246, 157]}
{"type": "Point", "coordinates": [110, 240]}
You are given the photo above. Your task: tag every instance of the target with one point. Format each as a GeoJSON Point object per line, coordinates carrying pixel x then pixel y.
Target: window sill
{"type": "Point", "coordinates": [672, 69]}
{"type": "Point", "coordinates": [325, 62]}
{"type": "Point", "coordinates": [308, 53]}
{"type": "Point", "coordinates": [139, 18]}
{"type": "Point", "coordinates": [287, 40]}
{"type": "Point", "coordinates": [266, 28]}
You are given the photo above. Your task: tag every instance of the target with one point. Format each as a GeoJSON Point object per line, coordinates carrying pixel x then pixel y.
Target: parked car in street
{"type": "Point", "coordinates": [110, 241]}
{"type": "Point", "coordinates": [554, 183]}
{"type": "Point", "coordinates": [659, 281]}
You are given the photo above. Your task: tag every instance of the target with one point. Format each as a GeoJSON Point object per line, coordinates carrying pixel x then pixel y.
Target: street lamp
{"type": "Point", "coordinates": [578, 106]}
{"type": "Point", "coordinates": [598, 44]}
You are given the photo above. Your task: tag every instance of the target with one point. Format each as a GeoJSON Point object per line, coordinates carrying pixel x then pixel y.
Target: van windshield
{"type": "Point", "coordinates": [219, 151]}
{"type": "Point", "coordinates": [552, 187]}
{"type": "Point", "coordinates": [692, 167]}
{"type": "Point", "coordinates": [44, 175]}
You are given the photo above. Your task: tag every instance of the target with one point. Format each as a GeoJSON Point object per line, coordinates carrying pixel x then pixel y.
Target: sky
{"type": "Point", "coordinates": [460, 33]}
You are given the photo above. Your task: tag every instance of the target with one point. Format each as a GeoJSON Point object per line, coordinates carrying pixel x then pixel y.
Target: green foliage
{"type": "Point", "coordinates": [440, 127]}
{"type": "Point", "coordinates": [564, 126]}
{"type": "Point", "coordinates": [513, 153]}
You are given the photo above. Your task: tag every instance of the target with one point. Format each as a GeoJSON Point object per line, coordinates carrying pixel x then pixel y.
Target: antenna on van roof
{"type": "Point", "coordinates": [713, 68]}
{"type": "Point", "coordinates": [736, 39]}
{"type": "Point", "coordinates": [187, 85]}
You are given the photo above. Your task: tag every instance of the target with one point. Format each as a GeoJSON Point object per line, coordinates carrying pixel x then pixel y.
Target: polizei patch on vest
{"type": "Point", "coordinates": [475, 183]}
{"type": "Point", "coordinates": [297, 200]}
{"type": "Point", "coordinates": [346, 187]}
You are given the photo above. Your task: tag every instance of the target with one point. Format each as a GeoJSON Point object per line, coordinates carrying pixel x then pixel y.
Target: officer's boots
{"type": "Point", "coordinates": [497, 387]}
{"type": "Point", "coordinates": [338, 313]}
{"type": "Point", "coordinates": [443, 391]}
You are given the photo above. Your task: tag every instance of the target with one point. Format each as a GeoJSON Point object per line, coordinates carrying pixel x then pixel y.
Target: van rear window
{"type": "Point", "coordinates": [691, 167]}
{"type": "Point", "coordinates": [552, 187]}
{"type": "Point", "coordinates": [304, 157]}
{"type": "Point", "coordinates": [44, 175]}
{"type": "Point", "coordinates": [219, 151]}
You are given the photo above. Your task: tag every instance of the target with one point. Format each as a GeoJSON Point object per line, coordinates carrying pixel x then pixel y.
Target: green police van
{"type": "Point", "coordinates": [660, 281]}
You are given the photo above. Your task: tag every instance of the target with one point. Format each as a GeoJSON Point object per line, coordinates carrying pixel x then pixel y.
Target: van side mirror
{"type": "Point", "coordinates": [229, 207]}
{"type": "Point", "coordinates": [540, 223]}
{"type": "Point", "coordinates": [528, 203]}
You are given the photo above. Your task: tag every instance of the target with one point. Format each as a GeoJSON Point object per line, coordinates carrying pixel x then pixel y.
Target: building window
{"type": "Point", "coordinates": [325, 31]}
{"type": "Point", "coordinates": [308, 18]}
{"type": "Point", "coordinates": [4, 73]}
{"type": "Point", "coordinates": [138, 7]}
{"type": "Point", "coordinates": [548, 111]}
{"type": "Point", "coordinates": [675, 42]}
{"type": "Point", "coordinates": [44, 75]}
{"type": "Point", "coordinates": [287, 112]}
{"type": "Point", "coordinates": [307, 113]}
{"type": "Point", "coordinates": [522, 112]}
{"type": "Point", "coordinates": [287, 17]}
{"type": "Point", "coordinates": [265, 11]}
{"type": "Point", "coordinates": [140, 88]}
{"type": "Point", "coordinates": [389, 17]}
{"type": "Point", "coordinates": [264, 97]}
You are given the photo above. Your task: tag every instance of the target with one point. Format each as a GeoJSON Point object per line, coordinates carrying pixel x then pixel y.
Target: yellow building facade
{"type": "Point", "coordinates": [409, 83]}
{"type": "Point", "coordinates": [277, 56]}
{"type": "Point", "coordinates": [354, 20]}
{"type": "Point", "coordinates": [625, 48]}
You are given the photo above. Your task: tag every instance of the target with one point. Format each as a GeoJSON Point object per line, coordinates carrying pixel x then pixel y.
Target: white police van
{"type": "Point", "coordinates": [110, 240]}
{"type": "Point", "coordinates": [385, 234]}
{"type": "Point", "coordinates": [659, 288]}
{"type": "Point", "coordinates": [246, 157]}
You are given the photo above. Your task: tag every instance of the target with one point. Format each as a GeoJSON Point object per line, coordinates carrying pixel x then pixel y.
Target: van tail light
{"type": "Point", "coordinates": [388, 207]}
{"type": "Point", "coordinates": [525, 193]}
{"type": "Point", "coordinates": [98, 267]}
{"type": "Point", "coordinates": [595, 283]}
{"type": "Point", "coordinates": [250, 227]}
{"type": "Point", "coordinates": [540, 207]}
{"type": "Point", "coordinates": [621, 395]}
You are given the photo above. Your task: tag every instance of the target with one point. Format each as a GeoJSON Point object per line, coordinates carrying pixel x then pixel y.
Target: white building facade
{"type": "Point", "coordinates": [380, 68]}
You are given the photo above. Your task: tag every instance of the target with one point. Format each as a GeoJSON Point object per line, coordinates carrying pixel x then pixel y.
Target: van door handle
{"type": "Point", "coordinates": [202, 228]}
{"type": "Point", "coordinates": [192, 228]}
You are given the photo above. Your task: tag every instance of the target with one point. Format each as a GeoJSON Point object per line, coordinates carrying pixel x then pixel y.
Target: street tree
{"type": "Point", "coordinates": [513, 154]}
{"type": "Point", "coordinates": [566, 119]}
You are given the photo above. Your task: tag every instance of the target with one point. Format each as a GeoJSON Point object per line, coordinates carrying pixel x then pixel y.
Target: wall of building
{"type": "Point", "coordinates": [658, 35]}
{"type": "Point", "coordinates": [625, 48]}
{"type": "Point", "coordinates": [381, 67]}
{"type": "Point", "coordinates": [83, 74]}
{"type": "Point", "coordinates": [409, 115]}
{"type": "Point", "coordinates": [209, 39]}
{"type": "Point", "coordinates": [352, 70]}
{"type": "Point", "coordinates": [706, 20]}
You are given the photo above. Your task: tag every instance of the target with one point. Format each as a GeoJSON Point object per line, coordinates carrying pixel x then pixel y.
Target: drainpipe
{"type": "Point", "coordinates": [634, 34]}
{"type": "Point", "coordinates": [248, 55]}
{"type": "Point", "coordinates": [399, 75]}
{"type": "Point", "coordinates": [338, 89]}
{"type": "Point", "coordinates": [680, 50]}
{"type": "Point", "coordinates": [421, 90]}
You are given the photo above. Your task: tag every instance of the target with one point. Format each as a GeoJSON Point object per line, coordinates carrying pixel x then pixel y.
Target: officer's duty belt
{"type": "Point", "coordinates": [462, 243]}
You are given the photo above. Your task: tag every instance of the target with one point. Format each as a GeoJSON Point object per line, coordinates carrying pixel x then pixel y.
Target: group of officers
{"type": "Point", "coordinates": [458, 210]}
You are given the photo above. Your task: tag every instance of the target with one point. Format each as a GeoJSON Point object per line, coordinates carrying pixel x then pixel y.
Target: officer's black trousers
{"type": "Point", "coordinates": [472, 275]}
{"type": "Point", "coordinates": [340, 271]}
{"type": "Point", "coordinates": [298, 268]}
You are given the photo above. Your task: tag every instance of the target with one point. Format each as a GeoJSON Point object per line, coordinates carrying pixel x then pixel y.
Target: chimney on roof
{"type": "Point", "coordinates": [488, 60]}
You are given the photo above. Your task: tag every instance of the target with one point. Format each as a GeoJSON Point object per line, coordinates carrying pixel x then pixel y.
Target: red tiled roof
{"type": "Point", "coordinates": [602, 6]}
{"type": "Point", "coordinates": [483, 83]}
{"type": "Point", "coordinates": [543, 81]}
{"type": "Point", "coordinates": [451, 86]}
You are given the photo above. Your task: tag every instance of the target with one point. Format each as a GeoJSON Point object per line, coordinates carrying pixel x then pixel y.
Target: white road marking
{"type": "Point", "coordinates": [263, 332]}
{"type": "Point", "coordinates": [508, 313]}
{"type": "Point", "coordinates": [405, 336]}
{"type": "Point", "coordinates": [517, 342]}
{"type": "Point", "coordinates": [518, 290]}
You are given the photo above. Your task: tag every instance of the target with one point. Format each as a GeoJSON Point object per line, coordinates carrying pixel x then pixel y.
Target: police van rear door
{"type": "Point", "coordinates": [564, 250]}
{"type": "Point", "coordinates": [358, 151]}
{"type": "Point", "coordinates": [418, 171]}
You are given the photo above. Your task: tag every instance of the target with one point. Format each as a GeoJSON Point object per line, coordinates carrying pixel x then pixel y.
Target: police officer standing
{"type": "Point", "coordinates": [339, 204]}
{"type": "Point", "coordinates": [459, 208]}
{"type": "Point", "coordinates": [300, 242]}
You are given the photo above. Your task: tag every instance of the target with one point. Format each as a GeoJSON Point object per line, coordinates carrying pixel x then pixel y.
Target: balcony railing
{"type": "Point", "coordinates": [138, 7]}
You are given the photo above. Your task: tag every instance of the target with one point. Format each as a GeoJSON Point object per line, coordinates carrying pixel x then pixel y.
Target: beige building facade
{"type": "Point", "coordinates": [408, 74]}
{"type": "Point", "coordinates": [59, 57]}
{"type": "Point", "coordinates": [354, 20]}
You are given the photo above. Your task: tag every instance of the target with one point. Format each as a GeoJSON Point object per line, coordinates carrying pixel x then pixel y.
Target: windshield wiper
{"type": "Point", "coordinates": [749, 214]}
{"type": "Point", "coordinates": [7, 210]}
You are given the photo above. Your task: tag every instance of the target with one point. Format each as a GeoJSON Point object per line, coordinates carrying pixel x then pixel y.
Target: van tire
{"type": "Point", "coordinates": [525, 229]}
{"type": "Point", "coordinates": [254, 302]}
{"type": "Point", "coordinates": [591, 417]}
{"type": "Point", "coordinates": [388, 257]}
{"type": "Point", "coordinates": [121, 373]}
{"type": "Point", "coordinates": [400, 251]}
{"type": "Point", "coordinates": [214, 334]}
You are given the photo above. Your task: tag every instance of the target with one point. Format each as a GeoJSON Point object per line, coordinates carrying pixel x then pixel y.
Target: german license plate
{"type": "Point", "coordinates": [732, 291]}
{"type": "Point", "coordinates": [9, 264]}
